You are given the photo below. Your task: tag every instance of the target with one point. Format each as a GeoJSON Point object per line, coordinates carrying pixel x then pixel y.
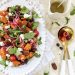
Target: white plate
{"type": "Point", "coordinates": [34, 62]}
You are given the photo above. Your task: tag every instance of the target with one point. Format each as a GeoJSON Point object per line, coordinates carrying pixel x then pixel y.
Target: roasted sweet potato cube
{"type": "Point", "coordinates": [27, 47]}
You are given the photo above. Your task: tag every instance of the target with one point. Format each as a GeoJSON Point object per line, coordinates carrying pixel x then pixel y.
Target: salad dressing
{"type": "Point", "coordinates": [56, 8]}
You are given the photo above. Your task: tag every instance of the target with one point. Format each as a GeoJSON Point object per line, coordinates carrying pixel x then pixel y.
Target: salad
{"type": "Point", "coordinates": [19, 35]}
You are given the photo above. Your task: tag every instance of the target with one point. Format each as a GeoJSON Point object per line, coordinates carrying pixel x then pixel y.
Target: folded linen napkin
{"type": "Point", "coordinates": [48, 56]}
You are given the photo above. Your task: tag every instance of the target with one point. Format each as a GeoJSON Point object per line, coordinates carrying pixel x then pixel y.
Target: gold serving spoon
{"type": "Point", "coordinates": [65, 35]}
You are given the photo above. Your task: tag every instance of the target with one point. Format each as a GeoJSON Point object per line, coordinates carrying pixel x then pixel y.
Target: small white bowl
{"type": "Point", "coordinates": [67, 6]}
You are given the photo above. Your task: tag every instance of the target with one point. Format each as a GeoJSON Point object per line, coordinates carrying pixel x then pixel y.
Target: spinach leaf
{"type": "Point", "coordinates": [35, 25]}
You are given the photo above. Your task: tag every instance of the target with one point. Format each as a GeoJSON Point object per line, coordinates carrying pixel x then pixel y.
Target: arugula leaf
{"type": "Point", "coordinates": [11, 35]}
{"type": "Point", "coordinates": [17, 41]}
{"type": "Point", "coordinates": [12, 50]}
{"type": "Point", "coordinates": [24, 10]}
{"type": "Point", "coordinates": [1, 33]}
{"type": "Point", "coordinates": [73, 11]}
{"type": "Point", "coordinates": [24, 26]}
{"type": "Point", "coordinates": [35, 25]}
{"type": "Point", "coordinates": [12, 9]}
{"type": "Point", "coordinates": [14, 33]}
{"type": "Point", "coordinates": [1, 24]}
{"type": "Point", "coordinates": [39, 41]}
{"type": "Point", "coordinates": [46, 73]}
{"type": "Point", "coordinates": [35, 15]}
{"type": "Point", "coordinates": [17, 53]}
{"type": "Point", "coordinates": [67, 20]}
{"type": "Point", "coordinates": [29, 35]}
{"type": "Point", "coordinates": [37, 55]}
{"type": "Point", "coordinates": [3, 62]}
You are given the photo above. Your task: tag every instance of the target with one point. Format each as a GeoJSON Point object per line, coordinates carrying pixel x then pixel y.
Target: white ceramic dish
{"type": "Point", "coordinates": [34, 62]}
{"type": "Point", "coordinates": [67, 5]}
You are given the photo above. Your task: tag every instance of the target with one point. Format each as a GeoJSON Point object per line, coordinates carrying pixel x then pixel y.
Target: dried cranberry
{"type": "Point", "coordinates": [7, 43]}
{"type": "Point", "coordinates": [2, 39]}
{"type": "Point", "coordinates": [11, 18]}
{"type": "Point", "coordinates": [29, 24]}
{"type": "Point", "coordinates": [57, 44]}
{"type": "Point", "coordinates": [54, 66]}
{"type": "Point", "coordinates": [36, 33]}
{"type": "Point", "coordinates": [30, 20]}
{"type": "Point", "coordinates": [61, 48]}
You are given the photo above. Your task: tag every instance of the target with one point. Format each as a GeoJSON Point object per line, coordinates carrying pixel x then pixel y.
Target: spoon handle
{"type": "Point", "coordinates": [63, 67]}
{"type": "Point", "coordinates": [70, 66]}
{"type": "Point", "coordinates": [61, 3]}
{"type": "Point", "coordinates": [66, 53]}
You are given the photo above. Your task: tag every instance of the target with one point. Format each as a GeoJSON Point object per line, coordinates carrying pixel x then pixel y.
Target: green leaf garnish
{"type": "Point", "coordinates": [35, 25]}
{"type": "Point", "coordinates": [57, 23]}
{"type": "Point", "coordinates": [73, 11]}
{"type": "Point", "coordinates": [24, 10]}
{"type": "Point", "coordinates": [37, 55]}
{"type": "Point", "coordinates": [39, 41]}
{"type": "Point", "coordinates": [12, 50]}
{"type": "Point", "coordinates": [74, 53]}
{"type": "Point", "coordinates": [35, 15]}
{"type": "Point", "coordinates": [46, 73]}
{"type": "Point", "coordinates": [29, 35]}
{"type": "Point", "coordinates": [67, 20]}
